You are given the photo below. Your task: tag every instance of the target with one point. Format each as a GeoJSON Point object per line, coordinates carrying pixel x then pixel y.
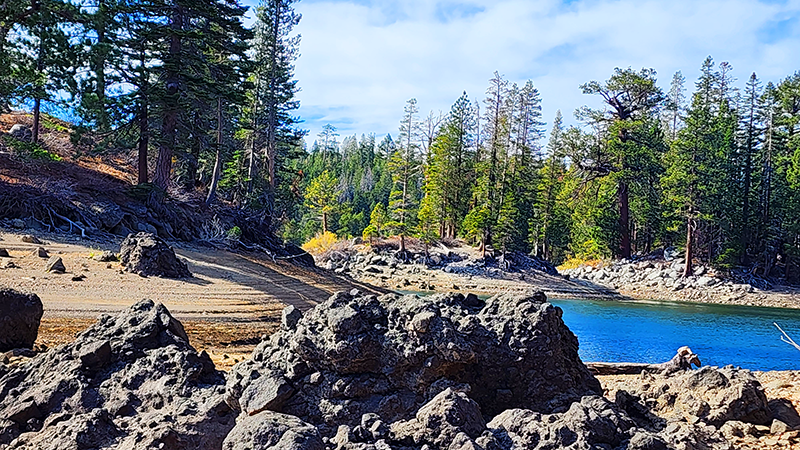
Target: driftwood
{"type": "Point", "coordinates": [683, 360]}
{"type": "Point", "coordinates": [786, 338]}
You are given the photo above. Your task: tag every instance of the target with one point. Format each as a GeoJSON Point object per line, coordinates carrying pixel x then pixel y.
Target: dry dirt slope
{"type": "Point", "coordinates": [230, 302]}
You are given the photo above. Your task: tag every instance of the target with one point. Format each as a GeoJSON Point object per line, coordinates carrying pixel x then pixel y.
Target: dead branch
{"type": "Point", "coordinates": [71, 223]}
{"type": "Point", "coordinates": [786, 338]}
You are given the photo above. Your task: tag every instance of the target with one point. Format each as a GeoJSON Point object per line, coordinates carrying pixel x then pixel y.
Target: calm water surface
{"type": "Point", "coordinates": [650, 332]}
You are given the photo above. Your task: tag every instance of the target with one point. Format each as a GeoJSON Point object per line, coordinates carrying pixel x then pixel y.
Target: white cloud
{"type": "Point", "coordinates": [360, 61]}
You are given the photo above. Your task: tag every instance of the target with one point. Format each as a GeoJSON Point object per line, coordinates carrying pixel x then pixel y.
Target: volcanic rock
{"type": "Point", "coordinates": [357, 354]}
{"type": "Point", "coordinates": [710, 395]}
{"type": "Point", "coordinates": [128, 381]}
{"type": "Point", "coordinates": [20, 315]}
{"type": "Point", "coordinates": [273, 431]}
{"type": "Point", "coordinates": [4, 253]}
{"type": "Point", "coordinates": [148, 255]}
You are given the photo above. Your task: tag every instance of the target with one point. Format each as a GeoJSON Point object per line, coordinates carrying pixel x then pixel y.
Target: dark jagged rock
{"type": "Point", "coordinates": [593, 422]}
{"type": "Point", "coordinates": [4, 253]}
{"type": "Point", "coordinates": [273, 431]}
{"type": "Point", "coordinates": [106, 256]}
{"type": "Point", "coordinates": [356, 354]}
{"type": "Point", "coordinates": [148, 255]}
{"type": "Point", "coordinates": [20, 315]}
{"type": "Point", "coordinates": [128, 381]}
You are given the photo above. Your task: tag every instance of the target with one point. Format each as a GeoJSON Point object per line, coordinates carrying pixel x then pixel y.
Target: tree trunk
{"type": "Point", "coordinates": [212, 191]}
{"type": "Point", "coordinates": [37, 106]}
{"type": "Point", "coordinates": [687, 267]}
{"type": "Point", "coordinates": [144, 138]}
{"type": "Point", "coordinates": [324, 222]}
{"type": "Point", "coordinates": [144, 119]}
{"type": "Point", "coordinates": [624, 220]}
{"type": "Point", "coordinates": [271, 149]}
{"type": "Point", "coordinates": [170, 121]}
{"type": "Point", "coordinates": [99, 66]}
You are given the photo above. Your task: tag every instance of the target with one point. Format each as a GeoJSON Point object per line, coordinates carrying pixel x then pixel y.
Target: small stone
{"type": "Point", "coordinates": [40, 252]}
{"type": "Point", "coordinates": [80, 277]}
{"type": "Point", "coordinates": [55, 265]}
{"type": "Point", "coordinates": [779, 427]}
{"type": "Point", "coordinates": [30, 239]}
{"type": "Point", "coordinates": [4, 253]}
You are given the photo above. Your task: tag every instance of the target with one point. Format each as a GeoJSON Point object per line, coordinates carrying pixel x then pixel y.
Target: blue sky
{"type": "Point", "coordinates": [361, 60]}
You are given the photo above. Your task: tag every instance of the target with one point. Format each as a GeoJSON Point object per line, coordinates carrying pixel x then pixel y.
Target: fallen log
{"type": "Point", "coordinates": [683, 360]}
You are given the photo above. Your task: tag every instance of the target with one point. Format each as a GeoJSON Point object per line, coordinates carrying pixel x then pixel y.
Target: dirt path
{"type": "Point", "coordinates": [227, 306]}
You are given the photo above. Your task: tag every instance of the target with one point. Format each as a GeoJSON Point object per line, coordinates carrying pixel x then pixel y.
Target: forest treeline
{"type": "Point", "coordinates": [206, 103]}
{"type": "Point", "coordinates": [714, 170]}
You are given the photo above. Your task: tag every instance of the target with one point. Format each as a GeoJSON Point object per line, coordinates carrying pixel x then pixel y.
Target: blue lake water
{"type": "Point", "coordinates": [651, 332]}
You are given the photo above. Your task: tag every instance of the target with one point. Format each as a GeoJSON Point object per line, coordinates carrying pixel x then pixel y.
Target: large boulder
{"type": "Point", "coordinates": [128, 381]}
{"type": "Point", "coordinates": [20, 315]}
{"type": "Point", "coordinates": [273, 431]}
{"type": "Point", "coordinates": [357, 354]}
{"type": "Point", "coordinates": [710, 395]}
{"type": "Point", "coordinates": [148, 255]}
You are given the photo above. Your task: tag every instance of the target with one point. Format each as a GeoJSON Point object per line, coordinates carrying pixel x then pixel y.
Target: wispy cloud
{"type": "Point", "coordinates": [361, 60]}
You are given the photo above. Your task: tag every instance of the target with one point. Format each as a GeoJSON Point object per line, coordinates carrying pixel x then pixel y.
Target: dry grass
{"type": "Point", "coordinates": [321, 243]}
{"type": "Point", "coordinates": [573, 263]}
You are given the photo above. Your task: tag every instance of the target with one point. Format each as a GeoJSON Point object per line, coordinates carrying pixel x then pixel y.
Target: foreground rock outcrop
{"type": "Point", "coordinates": [357, 354]}
{"type": "Point", "coordinates": [360, 372]}
{"type": "Point", "coordinates": [129, 381]}
{"type": "Point", "coordinates": [20, 315]}
{"type": "Point", "coordinates": [148, 255]}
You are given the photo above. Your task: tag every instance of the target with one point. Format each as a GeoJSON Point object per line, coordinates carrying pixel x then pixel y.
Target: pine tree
{"type": "Point", "coordinates": [448, 172]}
{"type": "Point", "coordinates": [750, 136]}
{"type": "Point", "coordinates": [321, 196]}
{"type": "Point", "coordinates": [47, 60]}
{"type": "Point", "coordinates": [675, 105]}
{"type": "Point", "coordinates": [632, 142]}
{"type": "Point", "coordinates": [194, 31]}
{"type": "Point", "coordinates": [404, 166]}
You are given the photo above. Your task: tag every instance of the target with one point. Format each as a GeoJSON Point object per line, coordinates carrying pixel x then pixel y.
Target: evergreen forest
{"type": "Point", "coordinates": [208, 106]}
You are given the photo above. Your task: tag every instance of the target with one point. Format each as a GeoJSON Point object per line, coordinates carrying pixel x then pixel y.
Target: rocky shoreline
{"type": "Point", "coordinates": [362, 372]}
{"type": "Point", "coordinates": [662, 279]}
{"type": "Point", "coordinates": [460, 268]}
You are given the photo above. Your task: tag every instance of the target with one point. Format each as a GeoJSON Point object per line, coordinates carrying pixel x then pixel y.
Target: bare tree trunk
{"type": "Point", "coordinates": [212, 191]}
{"type": "Point", "coordinates": [624, 220]}
{"type": "Point", "coordinates": [687, 267]}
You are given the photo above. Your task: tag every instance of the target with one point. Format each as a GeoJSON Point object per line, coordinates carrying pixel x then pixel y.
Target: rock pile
{"type": "Point", "coordinates": [148, 255]}
{"type": "Point", "coordinates": [20, 315]}
{"type": "Point", "coordinates": [130, 381]}
{"type": "Point", "coordinates": [361, 260]}
{"type": "Point", "coordinates": [357, 354]}
{"type": "Point", "coordinates": [655, 275]}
